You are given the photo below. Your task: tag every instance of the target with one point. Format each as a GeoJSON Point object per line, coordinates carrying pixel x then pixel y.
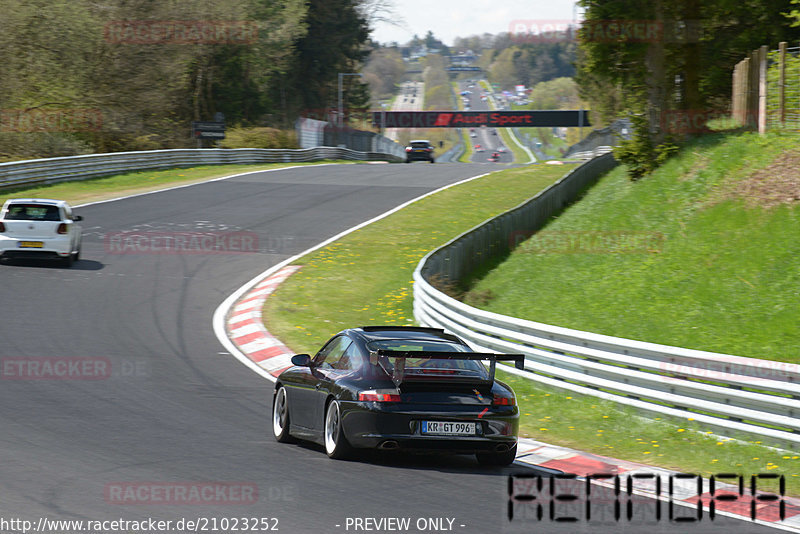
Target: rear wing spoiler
{"type": "Point", "coordinates": [398, 373]}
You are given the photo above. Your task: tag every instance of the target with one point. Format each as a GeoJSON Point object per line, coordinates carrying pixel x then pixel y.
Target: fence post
{"type": "Point", "coordinates": [782, 84]}
{"type": "Point", "coordinates": [762, 89]}
{"type": "Point", "coordinates": [736, 101]}
{"type": "Point", "coordinates": [744, 74]}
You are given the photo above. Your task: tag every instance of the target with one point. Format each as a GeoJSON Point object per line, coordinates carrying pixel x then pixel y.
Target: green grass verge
{"type": "Point", "coordinates": [520, 156]}
{"type": "Point", "coordinates": [466, 156]}
{"type": "Point", "coordinates": [366, 277]}
{"type": "Point", "coordinates": [723, 278]}
{"type": "Point", "coordinates": [107, 187]}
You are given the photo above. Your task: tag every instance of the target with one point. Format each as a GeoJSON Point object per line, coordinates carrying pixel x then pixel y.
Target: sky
{"type": "Point", "coordinates": [448, 19]}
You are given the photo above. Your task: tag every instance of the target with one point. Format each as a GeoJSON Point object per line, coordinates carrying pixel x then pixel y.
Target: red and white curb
{"type": "Point", "coordinates": [729, 499]}
{"type": "Point", "coordinates": [246, 330]}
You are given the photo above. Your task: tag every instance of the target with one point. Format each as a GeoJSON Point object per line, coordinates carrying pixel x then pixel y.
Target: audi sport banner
{"type": "Point", "coordinates": [468, 119]}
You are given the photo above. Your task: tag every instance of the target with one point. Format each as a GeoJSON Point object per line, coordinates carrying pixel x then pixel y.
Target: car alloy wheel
{"type": "Point", "coordinates": [280, 416]}
{"type": "Point", "coordinates": [336, 445]}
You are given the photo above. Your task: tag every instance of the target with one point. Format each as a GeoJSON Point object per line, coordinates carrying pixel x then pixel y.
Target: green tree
{"type": "Point", "coordinates": [334, 42]}
{"type": "Point", "coordinates": [688, 68]}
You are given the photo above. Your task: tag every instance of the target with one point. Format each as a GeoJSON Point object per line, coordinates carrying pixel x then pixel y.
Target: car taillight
{"type": "Point", "coordinates": [498, 400]}
{"type": "Point", "coordinates": [375, 396]}
{"type": "Point", "coordinates": [62, 228]}
{"type": "Point", "coordinates": [408, 149]}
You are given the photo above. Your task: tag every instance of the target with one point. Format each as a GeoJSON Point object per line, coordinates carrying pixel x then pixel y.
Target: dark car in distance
{"type": "Point", "coordinates": [419, 150]}
{"type": "Point", "coordinates": [398, 388]}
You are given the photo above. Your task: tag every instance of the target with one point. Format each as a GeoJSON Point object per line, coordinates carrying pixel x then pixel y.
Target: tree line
{"type": "Point", "coordinates": [677, 61]}
{"type": "Point", "coordinates": [150, 68]}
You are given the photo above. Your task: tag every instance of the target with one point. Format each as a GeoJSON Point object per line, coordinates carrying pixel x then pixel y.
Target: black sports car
{"type": "Point", "coordinates": [389, 388]}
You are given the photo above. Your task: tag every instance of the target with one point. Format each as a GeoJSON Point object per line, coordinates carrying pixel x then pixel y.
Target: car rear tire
{"type": "Point", "coordinates": [68, 261]}
{"type": "Point", "coordinates": [280, 417]}
{"type": "Point", "coordinates": [500, 459]}
{"type": "Point", "coordinates": [336, 445]}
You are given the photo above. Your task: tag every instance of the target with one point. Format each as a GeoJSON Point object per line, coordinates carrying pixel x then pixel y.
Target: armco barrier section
{"type": "Point", "coordinates": [52, 170]}
{"type": "Point", "coordinates": [729, 394]}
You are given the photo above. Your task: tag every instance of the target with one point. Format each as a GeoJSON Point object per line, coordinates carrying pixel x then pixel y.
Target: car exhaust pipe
{"type": "Point", "coordinates": [501, 448]}
{"type": "Point", "coordinates": [389, 445]}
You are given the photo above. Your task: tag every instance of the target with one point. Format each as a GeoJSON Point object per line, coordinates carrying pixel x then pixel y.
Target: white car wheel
{"type": "Point", "coordinates": [336, 445]}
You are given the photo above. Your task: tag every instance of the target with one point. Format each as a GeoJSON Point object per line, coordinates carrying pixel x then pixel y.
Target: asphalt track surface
{"type": "Point", "coordinates": [178, 410]}
{"type": "Point", "coordinates": [485, 137]}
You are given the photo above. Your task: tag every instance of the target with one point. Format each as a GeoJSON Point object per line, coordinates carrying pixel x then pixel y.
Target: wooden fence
{"type": "Point", "coordinates": [764, 96]}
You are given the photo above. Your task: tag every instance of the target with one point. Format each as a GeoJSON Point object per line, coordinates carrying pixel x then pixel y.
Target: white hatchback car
{"type": "Point", "coordinates": [39, 228]}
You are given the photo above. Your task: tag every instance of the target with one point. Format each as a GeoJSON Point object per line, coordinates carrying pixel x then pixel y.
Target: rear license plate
{"type": "Point", "coordinates": [31, 244]}
{"type": "Point", "coordinates": [442, 428]}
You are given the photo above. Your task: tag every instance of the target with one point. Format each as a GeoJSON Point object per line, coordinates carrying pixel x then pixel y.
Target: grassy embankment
{"type": "Point", "coordinates": [719, 272]}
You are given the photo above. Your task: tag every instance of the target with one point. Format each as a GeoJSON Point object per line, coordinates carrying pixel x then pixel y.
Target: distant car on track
{"type": "Point", "coordinates": [398, 388]}
{"type": "Point", "coordinates": [39, 228]}
{"type": "Point", "coordinates": [419, 149]}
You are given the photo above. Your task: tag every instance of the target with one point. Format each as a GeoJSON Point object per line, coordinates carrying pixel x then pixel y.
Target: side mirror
{"type": "Point", "coordinates": [77, 218]}
{"type": "Point", "coordinates": [301, 360]}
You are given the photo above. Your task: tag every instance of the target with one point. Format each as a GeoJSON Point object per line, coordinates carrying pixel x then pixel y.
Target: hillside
{"type": "Point", "coordinates": [701, 254]}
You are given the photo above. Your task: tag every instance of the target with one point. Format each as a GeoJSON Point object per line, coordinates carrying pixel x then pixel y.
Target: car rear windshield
{"type": "Point", "coordinates": [32, 212]}
{"type": "Point", "coordinates": [429, 365]}
{"type": "Point", "coordinates": [420, 145]}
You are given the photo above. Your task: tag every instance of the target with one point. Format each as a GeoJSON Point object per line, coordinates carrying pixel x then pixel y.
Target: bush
{"type": "Point", "coordinates": [259, 138]}
{"type": "Point", "coordinates": [640, 154]}
{"type": "Point", "coordinates": [35, 145]}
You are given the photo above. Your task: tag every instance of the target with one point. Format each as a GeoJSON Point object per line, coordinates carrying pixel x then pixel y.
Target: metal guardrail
{"type": "Point", "coordinates": [730, 394]}
{"type": "Point", "coordinates": [589, 154]}
{"type": "Point", "coordinates": [52, 170]}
